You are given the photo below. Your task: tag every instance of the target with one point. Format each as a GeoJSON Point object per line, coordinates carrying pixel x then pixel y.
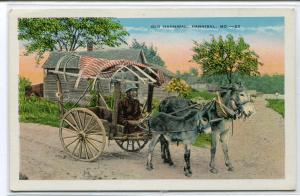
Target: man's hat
{"type": "Point", "coordinates": [130, 87]}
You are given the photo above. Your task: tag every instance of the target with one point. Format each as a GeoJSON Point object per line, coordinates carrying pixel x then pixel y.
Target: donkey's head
{"type": "Point", "coordinates": [236, 98]}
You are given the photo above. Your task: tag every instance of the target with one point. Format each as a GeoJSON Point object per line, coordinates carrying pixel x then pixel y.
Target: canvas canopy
{"type": "Point", "coordinates": [98, 68]}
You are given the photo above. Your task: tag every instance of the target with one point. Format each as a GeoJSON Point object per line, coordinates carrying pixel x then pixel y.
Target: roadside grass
{"type": "Point", "coordinates": [38, 110]}
{"type": "Point", "coordinates": [277, 105]}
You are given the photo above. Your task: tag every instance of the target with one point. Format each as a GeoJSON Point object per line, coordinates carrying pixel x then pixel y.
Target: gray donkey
{"type": "Point", "coordinates": [180, 120]}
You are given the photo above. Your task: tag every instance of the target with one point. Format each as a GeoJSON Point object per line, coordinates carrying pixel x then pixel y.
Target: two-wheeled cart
{"type": "Point", "coordinates": [84, 131]}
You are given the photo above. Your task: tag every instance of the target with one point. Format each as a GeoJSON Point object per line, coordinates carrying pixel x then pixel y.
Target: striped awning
{"type": "Point", "coordinates": [97, 68]}
{"type": "Point", "coordinates": [91, 67]}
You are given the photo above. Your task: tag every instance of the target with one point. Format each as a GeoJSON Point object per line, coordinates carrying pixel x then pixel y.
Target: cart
{"type": "Point", "coordinates": [84, 131]}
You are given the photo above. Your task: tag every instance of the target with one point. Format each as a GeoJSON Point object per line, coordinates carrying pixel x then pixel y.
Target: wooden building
{"type": "Point", "coordinates": [71, 65]}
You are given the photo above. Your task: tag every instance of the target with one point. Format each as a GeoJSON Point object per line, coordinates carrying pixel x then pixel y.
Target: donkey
{"type": "Point", "coordinates": [232, 102]}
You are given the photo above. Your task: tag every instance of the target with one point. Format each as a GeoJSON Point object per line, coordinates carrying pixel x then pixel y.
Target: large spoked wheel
{"type": "Point", "coordinates": [132, 145]}
{"type": "Point", "coordinates": [82, 134]}
{"type": "Point", "coordinates": [136, 141]}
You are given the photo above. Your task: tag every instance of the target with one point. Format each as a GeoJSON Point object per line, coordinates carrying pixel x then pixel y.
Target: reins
{"type": "Point", "coordinates": [188, 107]}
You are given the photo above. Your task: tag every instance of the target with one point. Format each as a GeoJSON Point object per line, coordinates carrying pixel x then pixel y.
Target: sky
{"type": "Point", "coordinates": [264, 34]}
{"type": "Point", "coordinates": [174, 38]}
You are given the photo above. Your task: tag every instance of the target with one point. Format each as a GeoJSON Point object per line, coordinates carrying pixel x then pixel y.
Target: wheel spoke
{"type": "Point", "coordinates": [94, 139]}
{"type": "Point", "coordinates": [84, 121]}
{"type": "Point", "coordinates": [91, 129]}
{"type": "Point", "coordinates": [73, 118]}
{"type": "Point", "coordinates": [72, 142]}
{"type": "Point", "coordinates": [69, 136]}
{"type": "Point", "coordinates": [69, 123]}
{"type": "Point", "coordinates": [79, 120]}
{"type": "Point", "coordinates": [80, 149]}
{"type": "Point", "coordinates": [92, 144]}
{"type": "Point", "coordinates": [87, 125]}
{"type": "Point", "coordinates": [94, 133]}
{"type": "Point", "coordinates": [90, 149]}
{"type": "Point", "coordinates": [75, 147]}
{"type": "Point", "coordinates": [70, 130]}
{"type": "Point", "coordinates": [86, 152]}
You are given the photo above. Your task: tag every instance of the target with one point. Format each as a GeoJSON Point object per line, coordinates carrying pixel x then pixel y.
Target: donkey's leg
{"type": "Point", "coordinates": [152, 145]}
{"type": "Point", "coordinates": [187, 155]}
{"type": "Point", "coordinates": [213, 150]}
{"type": "Point", "coordinates": [168, 154]}
{"type": "Point", "coordinates": [163, 146]}
{"type": "Point", "coordinates": [224, 138]}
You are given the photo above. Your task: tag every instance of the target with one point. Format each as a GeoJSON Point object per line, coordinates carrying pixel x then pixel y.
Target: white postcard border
{"type": "Point", "coordinates": [289, 183]}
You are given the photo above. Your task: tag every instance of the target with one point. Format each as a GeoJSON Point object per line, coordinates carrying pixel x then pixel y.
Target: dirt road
{"type": "Point", "coordinates": [256, 150]}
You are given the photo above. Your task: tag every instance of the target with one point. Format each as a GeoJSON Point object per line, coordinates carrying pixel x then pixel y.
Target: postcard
{"type": "Point", "coordinates": [180, 99]}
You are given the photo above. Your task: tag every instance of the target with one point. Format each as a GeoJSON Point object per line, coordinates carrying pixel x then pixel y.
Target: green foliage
{"type": "Point", "coordinates": [194, 72]}
{"type": "Point", "coordinates": [265, 84]}
{"type": "Point", "coordinates": [178, 86]}
{"type": "Point", "coordinates": [35, 109]}
{"type": "Point", "coordinates": [23, 84]}
{"type": "Point", "coordinates": [226, 56]}
{"type": "Point", "coordinates": [155, 106]}
{"type": "Point", "coordinates": [150, 52]}
{"type": "Point", "coordinates": [203, 141]}
{"type": "Point", "coordinates": [110, 101]}
{"type": "Point", "coordinates": [203, 94]}
{"type": "Point", "coordinates": [277, 105]}
{"type": "Point", "coordinates": [68, 34]}
{"type": "Point", "coordinates": [38, 110]}
{"type": "Point", "coordinates": [94, 94]}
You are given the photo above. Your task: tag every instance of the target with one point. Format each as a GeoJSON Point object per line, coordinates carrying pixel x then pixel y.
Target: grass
{"type": "Point", "coordinates": [277, 105]}
{"type": "Point", "coordinates": [39, 110]}
{"type": "Point", "coordinates": [203, 141]}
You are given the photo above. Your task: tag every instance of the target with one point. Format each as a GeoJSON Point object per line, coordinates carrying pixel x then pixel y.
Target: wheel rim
{"type": "Point", "coordinates": [82, 134]}
{"type": "Point", "coordinates": [132, 145]}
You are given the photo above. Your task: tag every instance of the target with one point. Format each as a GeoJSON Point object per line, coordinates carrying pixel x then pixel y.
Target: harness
{"type": "Point", "coordinates": [223, 112]}
{"type": "Point", "coordinates": [221, 108]}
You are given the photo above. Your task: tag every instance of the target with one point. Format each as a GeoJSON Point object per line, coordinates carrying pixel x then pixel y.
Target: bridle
{"type": "Point", "coordinates": [239, 103]}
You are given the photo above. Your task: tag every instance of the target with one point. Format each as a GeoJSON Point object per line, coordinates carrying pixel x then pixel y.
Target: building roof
{"type": "Point", "coordinates": [135, 55]}
{"type": "Point", "coordinates": [110, 54]}
{"type": "Point", "coordinates": [163, 69]}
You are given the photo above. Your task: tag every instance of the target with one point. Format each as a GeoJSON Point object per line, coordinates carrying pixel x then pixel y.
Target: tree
{"type": "Point", "coordinates": [179, 86]}
{"type": "Point", "coordinates": [226, 56]}
{"type": "Point", "coordinates": [69, 34]}
{"type": "Point", "coordinates": [194, 72]}
{"type": "Point", "coordinates": [151, 53]}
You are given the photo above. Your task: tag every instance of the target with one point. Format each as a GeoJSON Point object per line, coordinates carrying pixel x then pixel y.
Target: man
{"type": "Point", "coordinates": [129, 111]}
